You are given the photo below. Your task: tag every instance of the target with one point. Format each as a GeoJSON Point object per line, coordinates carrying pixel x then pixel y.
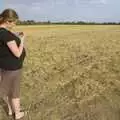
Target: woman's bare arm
{"type": "Point", "coordinates": [17, 51]}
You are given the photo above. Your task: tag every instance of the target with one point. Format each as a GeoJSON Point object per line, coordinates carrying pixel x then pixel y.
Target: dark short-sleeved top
{"type": "Point", "coordinates": [8, 60]}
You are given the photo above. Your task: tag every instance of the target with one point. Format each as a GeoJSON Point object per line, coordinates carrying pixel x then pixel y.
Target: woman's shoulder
{"type": "Point", "coordinates": [4, 31]}
{"type": "Point", "coordinates": [7, 32]}
{"type": "Point", "coordinates": [7, 35]}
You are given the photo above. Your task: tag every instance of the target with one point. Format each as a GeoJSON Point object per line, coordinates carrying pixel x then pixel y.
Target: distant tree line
{"type": "Point", "coordinates": [32, 22]}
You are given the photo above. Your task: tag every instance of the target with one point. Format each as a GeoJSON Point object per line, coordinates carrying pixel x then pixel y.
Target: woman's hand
{"type": "Point", "coordinates": [22, 37]}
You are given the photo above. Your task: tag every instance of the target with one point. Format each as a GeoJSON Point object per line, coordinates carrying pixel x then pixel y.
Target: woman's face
{"type": "Point", "coordinates": [11, 25]}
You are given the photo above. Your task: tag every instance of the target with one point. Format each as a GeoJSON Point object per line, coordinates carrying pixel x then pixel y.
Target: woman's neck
{"type": "Point", "coordinates": [3, 26]}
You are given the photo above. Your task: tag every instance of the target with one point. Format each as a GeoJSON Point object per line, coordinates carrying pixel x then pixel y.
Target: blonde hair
{"type": "Point", "coordinates": [8, 15]}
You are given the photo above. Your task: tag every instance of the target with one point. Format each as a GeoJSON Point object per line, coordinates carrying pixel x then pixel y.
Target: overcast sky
{"type": "Point", "coordinates": [65, 10]}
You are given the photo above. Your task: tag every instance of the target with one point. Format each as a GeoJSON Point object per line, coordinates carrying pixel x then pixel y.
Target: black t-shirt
{"type": "Point", "coordinates": [8, 60]}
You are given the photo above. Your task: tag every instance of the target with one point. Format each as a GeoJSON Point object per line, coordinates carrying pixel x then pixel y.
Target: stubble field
{"type": "Point", "coordinates": [71, 72]}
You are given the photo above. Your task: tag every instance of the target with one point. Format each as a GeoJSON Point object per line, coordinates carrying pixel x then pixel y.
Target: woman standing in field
{"type": "Point", "coordinates": [12, 54]}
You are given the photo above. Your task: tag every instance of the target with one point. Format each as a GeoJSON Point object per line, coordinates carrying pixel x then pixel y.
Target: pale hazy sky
{"type": "Point", "coordinates": [65, 10]}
